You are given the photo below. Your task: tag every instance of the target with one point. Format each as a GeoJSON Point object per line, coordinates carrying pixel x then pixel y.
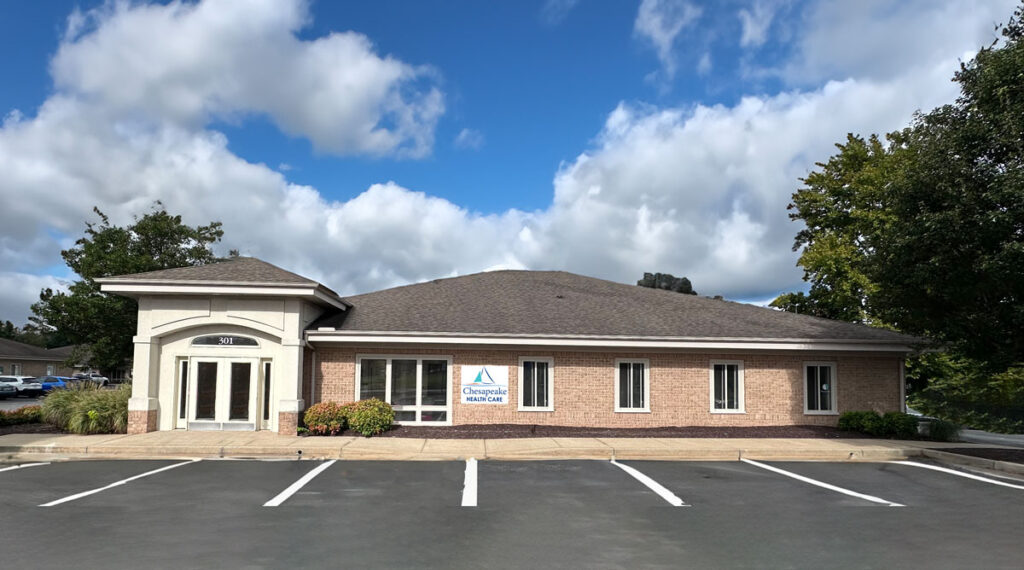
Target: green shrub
{"type": "Point", "coordinates": [370, 417]}
{"type": "Point", "coordinates": [23, 415]}
{"type": "Point", "coordinates": [900, 426]}
{"type": "Point", "coordinates": [100, 411]}
{"type": "Point", "coordinates": [58, 403]}
{"type": "Point", "coordinates": [941, 430]}
{"type": "Point", "coordinates": [326, 418]}
{"type": "Point", "coordinates": [892, 424]}
{"type": "Point", "coordinates": [856, 421]}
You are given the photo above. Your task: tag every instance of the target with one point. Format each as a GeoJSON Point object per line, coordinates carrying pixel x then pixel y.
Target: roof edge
{"type": "Point", "coordinates": [611, 341]}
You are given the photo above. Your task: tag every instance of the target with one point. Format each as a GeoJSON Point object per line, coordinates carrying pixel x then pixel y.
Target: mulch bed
{"type": "Point", "coordinates": [998, 454]}
{"type": "Point", "coordinates": [503, 431]}
{"type": "Point", "coordinates": [28, 428]}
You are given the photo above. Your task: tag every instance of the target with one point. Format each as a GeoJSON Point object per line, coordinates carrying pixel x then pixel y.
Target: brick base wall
{"type": "Point", "coordinates": [584, 384]}
{"type": "Point", "coordinates": [140, 421]}
{"type": "Point", "coordinates": [287, 423]}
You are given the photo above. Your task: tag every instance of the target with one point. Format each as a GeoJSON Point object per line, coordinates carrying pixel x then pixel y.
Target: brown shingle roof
{"type": "Point", "coordinates": [247, 270]}
{"type": "Point", "coordinates": [560, 303]}
{"type": "Point", "coordinates": [14, 350]}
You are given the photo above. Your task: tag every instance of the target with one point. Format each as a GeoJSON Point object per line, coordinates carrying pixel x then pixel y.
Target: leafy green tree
{"type": "Point", "coordinates": [101, 325]}
{"type": "Point", "coordinates": [668, 282]}
{"type": "Point", "coordinates": [925, 234]}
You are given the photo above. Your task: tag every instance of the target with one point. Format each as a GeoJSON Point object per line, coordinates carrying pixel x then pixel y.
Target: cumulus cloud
{"type": "Point", "coordinates": [879, 39]}
{"type": "Point", "coordinates": [659, 22]}
{"type": "Point", "coordinates": [469, 138]}
{"type": "Point", "coordinates": [694, 190]}
{"type": "Point", "coordinates": [190, 63]}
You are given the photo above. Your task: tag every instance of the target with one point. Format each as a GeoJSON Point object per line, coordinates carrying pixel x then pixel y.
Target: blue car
{"type": "Point", "coordinates": [51, 382]}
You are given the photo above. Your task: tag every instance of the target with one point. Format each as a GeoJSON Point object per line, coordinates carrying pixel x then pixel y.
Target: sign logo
{"type": "Point", "coordinates": [484, 384]}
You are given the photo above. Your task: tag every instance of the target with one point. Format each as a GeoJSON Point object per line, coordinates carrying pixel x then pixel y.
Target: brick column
{"type": "Point", "coordinates": [141, 421]}
{"type": "Point", "coordinates": [287, 423]}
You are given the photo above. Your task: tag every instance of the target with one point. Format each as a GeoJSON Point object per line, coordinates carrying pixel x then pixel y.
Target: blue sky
{"type": "Point", "coordinates": [427, 139]}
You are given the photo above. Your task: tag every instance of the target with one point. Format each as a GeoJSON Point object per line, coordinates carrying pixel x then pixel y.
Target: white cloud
{"type": "Point", "coordinates": [20, 291]}
{"type": "Point", "coordinates": [469, 138]}
{"type": "Point", "coordinates": [755, 22]}
{"type": "Point", "coordinates": [660, 22]}
{"type": "Point", "coordinates": [704, 65]}
{"type": "Point", "coordinates": [555, 11]}
{"type": "Point", "coordinates": [880, 39]}
{"type": "Point", "coordinates": [189, 63]}
{"type": "Point", "coordinates": [694, 190]}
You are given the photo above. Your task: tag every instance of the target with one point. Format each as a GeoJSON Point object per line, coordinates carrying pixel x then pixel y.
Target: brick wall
{"type": "Point", "coordinates": [679, 386]}
{"type": "Point", "coordinates": [34, 367]}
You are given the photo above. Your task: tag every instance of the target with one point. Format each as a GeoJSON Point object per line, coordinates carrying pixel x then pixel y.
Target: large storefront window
{"type": "Point", "coordinates": [418, 388]}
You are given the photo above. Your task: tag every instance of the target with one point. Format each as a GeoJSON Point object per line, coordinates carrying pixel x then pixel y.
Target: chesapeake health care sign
{"type": "Point", "coordinates": [485, 384]}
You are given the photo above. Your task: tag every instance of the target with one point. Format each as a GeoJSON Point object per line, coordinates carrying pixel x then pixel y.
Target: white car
{"type": "Point", "coordinates": [96, 377]}
{"type": "Point", "coordinates": [24, 385]}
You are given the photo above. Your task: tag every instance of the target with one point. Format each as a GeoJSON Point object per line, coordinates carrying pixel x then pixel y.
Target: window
{"type": "Point", "coordinates": [182, 388]}
{"type": "Point", "coordinates": [1, 368]}
{"type": "Point", "coordinates": [16, 370]}
{"type": "Point", "coordinates": [417, 387]}
{"type": "Point", "coordinates": [632, 386]}
{"type": "Point", "coordinates": [50, 370]}
{"type": "Point", "coordinates": [727, 387]}
{"type": "Point", "coordinates": [820, 388]}
{"type": "Point", "coordinates": [536, 390]}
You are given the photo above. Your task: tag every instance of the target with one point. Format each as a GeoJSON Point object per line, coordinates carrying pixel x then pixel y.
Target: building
{"type": "Point", "coordinates": [244, 345]}
{"type": "Point", "coordinates": [20, 359]}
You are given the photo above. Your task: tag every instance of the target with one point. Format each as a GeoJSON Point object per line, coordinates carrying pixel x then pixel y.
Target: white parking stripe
{"type": "Point", "coordinates": [653, 485]}
{"type": "Point", "coordinates": [22, 466]}
{"type": "Point", "coordinates": [116, 484]}
{"type": "Point", "coordinates": [821, 484]}
{"type": "Point", "coordinates": [469, 487]}
{"type": "Point", "coordinates": [294, 487]}
{"type": "Point", "coordinates": [959, 473]}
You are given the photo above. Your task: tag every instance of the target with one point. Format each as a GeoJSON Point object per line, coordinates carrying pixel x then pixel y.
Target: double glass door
{"type": "Point", "coordinates": [222, 393]}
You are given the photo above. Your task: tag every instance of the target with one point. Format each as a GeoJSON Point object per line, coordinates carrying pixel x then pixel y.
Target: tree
{"type": "Point", "coordinates": [101, 325]}
{"type": "Point", "coordinates": [925, 234]}
{"type": "Point", "coordinates": [667, 281]}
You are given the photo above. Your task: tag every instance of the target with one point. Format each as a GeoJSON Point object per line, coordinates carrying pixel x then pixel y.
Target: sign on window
{"type": "Point", "coordinates": [484, 384]}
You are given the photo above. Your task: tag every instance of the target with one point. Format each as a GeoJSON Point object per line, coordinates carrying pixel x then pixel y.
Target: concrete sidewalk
{"type": "Point", "coordinates": [178, 444]}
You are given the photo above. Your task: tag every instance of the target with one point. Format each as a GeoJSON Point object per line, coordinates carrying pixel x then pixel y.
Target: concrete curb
{"type": "Point", "coordinates": [971, 461]}
{"type": "Point", "coordinates": [444, 450]}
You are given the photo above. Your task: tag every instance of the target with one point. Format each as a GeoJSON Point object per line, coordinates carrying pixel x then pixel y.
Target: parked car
{"type": "Point", "coordinates": [8, 391]}
{"type": "Point", "coordinates": [50, 382]}
{"type": "Point", "coordinates": [23, 385]}
{"type": "Point", "coordinates": [96, 377]}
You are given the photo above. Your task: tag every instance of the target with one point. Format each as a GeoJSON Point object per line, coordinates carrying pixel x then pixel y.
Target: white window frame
{"type": "Point", "coordinates": [51, 369]}
{"type": "Point", "coordinates": [551, 384]}
{"type": "Point", "coordinates": [418, 406]}
{"type": "Point", "coordinates": [16, 369]}
{"type": "Point", "coordinates": [647, 385]}
{"type": "Point", "coordinates": [834, 392]}
{"type": "Point", "coordinates": [740, 387]}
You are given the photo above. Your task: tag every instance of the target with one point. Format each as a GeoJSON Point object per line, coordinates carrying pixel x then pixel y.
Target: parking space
{"type": "Point", "coordinates": [545, 513]}
{"type": "Point", "coordinates": [9, 404]}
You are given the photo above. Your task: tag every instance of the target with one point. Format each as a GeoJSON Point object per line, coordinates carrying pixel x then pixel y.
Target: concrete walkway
{"type": "Point", "coordinates": [175, 444]}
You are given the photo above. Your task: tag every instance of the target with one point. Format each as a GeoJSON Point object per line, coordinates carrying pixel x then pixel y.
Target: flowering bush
{"type": "Point", "coordinates": [23, 415]}
{"type": "Point", "coordinates": [326, 418]}
{"type": "Point", "coordinates": [370, 417]}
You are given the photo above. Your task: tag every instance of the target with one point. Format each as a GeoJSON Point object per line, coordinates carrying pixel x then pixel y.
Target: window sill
{"type": "Point", "coordinates": [813, 413]}
{"type": "Point", "coordinates": [632, 410]}
{"type": "Point", "coordinates": [521, 409]}
{"type": "Point", "coordinates": [728, 411]}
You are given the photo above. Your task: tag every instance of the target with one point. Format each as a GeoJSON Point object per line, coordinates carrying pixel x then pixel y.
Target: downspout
{"type": "Point", "coordinates": [903, 385]}
{"type": "Point", "coordinates": [312, 376]}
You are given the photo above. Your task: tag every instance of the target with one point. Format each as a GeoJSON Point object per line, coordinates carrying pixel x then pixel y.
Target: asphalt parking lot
{"type": "Point", "coordinates": [14, 403]}
{"type": "Point", "coordinates": [570, 514]}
